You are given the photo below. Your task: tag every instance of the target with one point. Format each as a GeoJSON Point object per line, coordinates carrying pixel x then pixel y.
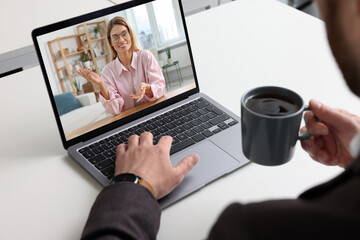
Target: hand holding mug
{"type": "Point", "coordinates": [331, 139]}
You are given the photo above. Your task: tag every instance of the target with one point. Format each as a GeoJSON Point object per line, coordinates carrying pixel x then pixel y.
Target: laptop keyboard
{"type": "Point", "coordinates": [187, 124]}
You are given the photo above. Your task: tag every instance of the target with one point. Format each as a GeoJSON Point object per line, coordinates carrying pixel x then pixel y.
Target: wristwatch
{"type": "Point", "coordinates": [129, 177]}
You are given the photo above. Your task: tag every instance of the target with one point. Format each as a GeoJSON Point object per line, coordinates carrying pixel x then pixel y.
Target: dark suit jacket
{"type": "Point", "coordinates": [328, 211]}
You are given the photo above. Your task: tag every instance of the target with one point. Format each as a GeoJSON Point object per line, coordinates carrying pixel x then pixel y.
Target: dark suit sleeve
{"type": "Point", "coordinates": [329, 211]}
{"type": "Point", "coordinates": [123, 211]}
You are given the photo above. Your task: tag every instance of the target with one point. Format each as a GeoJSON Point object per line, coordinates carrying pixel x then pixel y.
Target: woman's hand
{"type": "Point", "coordinates": [143, 89]}
{"type": "Point", "coordinates": [96, 79]}
{"type": "Point", "coordinates": [330, 143]}
{"type": "Point", "coordinates": [90, 76]}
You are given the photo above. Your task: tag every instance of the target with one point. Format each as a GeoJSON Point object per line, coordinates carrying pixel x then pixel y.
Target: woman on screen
{"type": "Point", "coordinates": [133, 77]}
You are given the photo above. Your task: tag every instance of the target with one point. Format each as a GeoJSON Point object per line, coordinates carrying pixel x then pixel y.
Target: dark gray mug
{"type": "Point", "coordinates": [270, 128]}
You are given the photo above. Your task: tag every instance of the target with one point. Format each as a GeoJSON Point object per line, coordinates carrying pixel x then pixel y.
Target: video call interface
{"type": "Point", "coordinates": [157, 27]}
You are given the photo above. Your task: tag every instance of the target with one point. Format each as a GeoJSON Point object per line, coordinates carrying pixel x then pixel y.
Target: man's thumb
{"type": "Point", "coordinates": [186, 164]}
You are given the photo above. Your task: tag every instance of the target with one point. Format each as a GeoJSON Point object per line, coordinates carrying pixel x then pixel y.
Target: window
{"type": "Point", "coordinates": [166, 20]}
{"type": "Point", "coordinates": [158, 24]}
{"type": "Point", "coordinates": [143, 27]}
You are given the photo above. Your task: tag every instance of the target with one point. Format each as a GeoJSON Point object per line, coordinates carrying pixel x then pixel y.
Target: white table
{"type": "Point", "coordinates": [46, 195]}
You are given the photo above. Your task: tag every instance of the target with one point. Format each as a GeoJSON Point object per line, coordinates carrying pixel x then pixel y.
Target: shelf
{"type": "Point", "coordinates": [98, 39]}
{"type": "Point", "coordinates": [76, 53]}
{"type": "Point", "coordinates": [103, 55]}
{"type": "Point", "coordinates": [82, 39]}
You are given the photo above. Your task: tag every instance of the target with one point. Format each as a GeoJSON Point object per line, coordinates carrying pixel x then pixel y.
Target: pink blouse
{"type": "Point", "coordinates": [121, 82]}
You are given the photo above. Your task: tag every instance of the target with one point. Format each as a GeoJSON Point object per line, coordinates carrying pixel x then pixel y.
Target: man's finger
{"type": "Point", "coordinates": [313, 125]}
{"type": "Point", "coordinates": [185, 165]}
{"type": "Point", "coordinates": [165, 141]}
{"type": "Point", "coordinates": [120, 149]}
{"type": "Point", "coordinates": [133, 141]}
{"type": "Point", "coordinates": [146, 138]}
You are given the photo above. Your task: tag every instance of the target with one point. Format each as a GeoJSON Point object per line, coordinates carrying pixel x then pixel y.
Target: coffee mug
{"type": "Point", "coordinates": [270, 123]}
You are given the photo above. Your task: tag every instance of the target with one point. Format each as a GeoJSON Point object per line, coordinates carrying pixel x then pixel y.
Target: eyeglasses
{"type": "Point", "coordinates": [116, 37]}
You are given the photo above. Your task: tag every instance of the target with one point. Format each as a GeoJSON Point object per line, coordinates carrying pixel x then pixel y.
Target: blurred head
{"type": "Point", "coordinates": [342, 20]}
{"type": "Point", "coordinates": [121, 36]}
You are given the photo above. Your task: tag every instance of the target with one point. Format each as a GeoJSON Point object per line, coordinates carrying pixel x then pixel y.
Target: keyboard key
{"type": "Point", "coordinates": [190, 133]}
{"type": "Point", "coordinates": [116, 142]}
{"type": "Point", "coordinates": [170, 125]}
{"type": "Point", "coordinates": [106, 146]}
{"type": "Point", "coordinates": [195, 122]}
{"type": "Point", "coordinates": [202, 104]}
{"type": "Point", "coordinates": [176, 115]}
{"type": "Point", "coordinates": [187, 126]}
{"type": "Point", "coordinates": [182, 137]}
{"type": "Point", "coordinates": [184, 112]}
{"type": "Point", "coordinates": [88, 154]}
{"type": "Point", "coordinates": [217, 130]}
{"type": "Point", "coordinates": [175, 141]}
{"type": "Point", "coordinates": [171, 133]}
{"type": "Point", "coordinates": [108, 172]}
{"type": "Point", "coordinates": [198, 129]}
{"type": "Point", "coordinates": [187, 118]}
{"type": "Point", "coordinates": [232, 123]}
{"type": "Point", "coordinates": [97, 159]}
{"type": "Point", "coordinates": [98, 150]}
{"type": "Point", "coordinates": [104, 164]}
{"type": "Point", "coordinates": [203, 118]}
{"type": "Point", "coordinates": [169, 119]}
{"type": "Point", "coordinates": [94, 145]}
{"type": "Point", "coordinates": [179, 122]}
{"type": "Point", "coordinates": [223, 126]}
{"type": "Point", "coordinates": [206, 125]}
{"type": "Point", "coordinates": [192, 109]}
{"type": "Point", "coordinates": [203, 111]}
{"type": "Point", "coordinates": [198, 137]}
{"type": "Point", "coordinates": [162, 129]}
{"type": "Point", "coordinates": [108, 153]}
{"type": "Point", "coordinates": [155, 133]}
{"type": "Point", "coordinates": [179, 130]}
{"type": "Point", "coordinates": [195, 114]}
{"type": "Point", "coordinates": [85, 149]}
{"type": "Point", "coordinates": [181, 145]}
{"type": "Point", "coordinates": [207, 133]}
{"type": "Point", "coordinates": [219, 119]}
{"type": "Point", "coordinates": [211, 115]}
{"type": "Point", "coordinates": [150, 127]}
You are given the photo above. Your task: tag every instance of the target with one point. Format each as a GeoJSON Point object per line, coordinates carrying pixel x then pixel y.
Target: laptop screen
{"type": "Point", "coordinates": [114, 65]}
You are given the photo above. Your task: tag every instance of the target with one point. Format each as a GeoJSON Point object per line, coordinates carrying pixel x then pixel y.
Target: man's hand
{"type": "Point", "coordinates": [331, 139]}
{"type": "Point", "coordinates": [152, 162]}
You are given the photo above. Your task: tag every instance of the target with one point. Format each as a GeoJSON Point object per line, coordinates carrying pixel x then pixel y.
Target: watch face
{"type": "Point", "coordinates": [125, 177]}
{"type": "Point", "coordinates": [128, 177]}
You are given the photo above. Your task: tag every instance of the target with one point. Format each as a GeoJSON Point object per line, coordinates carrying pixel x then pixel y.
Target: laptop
{"type": "Point", "coordinates": [90, 133]}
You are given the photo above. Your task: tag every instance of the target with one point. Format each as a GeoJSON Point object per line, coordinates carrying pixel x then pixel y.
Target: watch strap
{"type": "Point", "coordinates": [129, 177]}
{"type": "Point", "coordinates": [147, 185]}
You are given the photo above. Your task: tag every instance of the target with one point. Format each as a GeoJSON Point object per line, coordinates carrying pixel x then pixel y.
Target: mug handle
{"type": "Point", "coordinates": [306, 135]}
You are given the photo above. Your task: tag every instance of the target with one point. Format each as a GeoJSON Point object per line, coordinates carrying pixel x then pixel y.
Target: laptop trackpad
{"type": "Point", "coordinates": [214, 163]}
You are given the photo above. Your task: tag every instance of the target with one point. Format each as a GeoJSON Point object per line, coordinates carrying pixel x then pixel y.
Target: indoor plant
{"type": "Point", "coordinates": [168, 54]}
{"type": "Point", "coordinates": [85, 58]}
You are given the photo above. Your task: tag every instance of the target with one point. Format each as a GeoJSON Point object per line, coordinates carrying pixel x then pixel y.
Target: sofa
{"type": "Point", "coordinates": [78, 111]}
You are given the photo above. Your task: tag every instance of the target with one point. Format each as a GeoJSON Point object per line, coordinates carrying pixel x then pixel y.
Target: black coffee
{"type": "Point", "coordinates": [272, 105]}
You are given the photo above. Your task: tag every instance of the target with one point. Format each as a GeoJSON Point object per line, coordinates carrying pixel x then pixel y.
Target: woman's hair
{"type": "Point", "coordinates": [122, 21]}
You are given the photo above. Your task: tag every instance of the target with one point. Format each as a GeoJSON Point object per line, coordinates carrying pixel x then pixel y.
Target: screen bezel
{"type": "Point", "coordinates": [87, 17]}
